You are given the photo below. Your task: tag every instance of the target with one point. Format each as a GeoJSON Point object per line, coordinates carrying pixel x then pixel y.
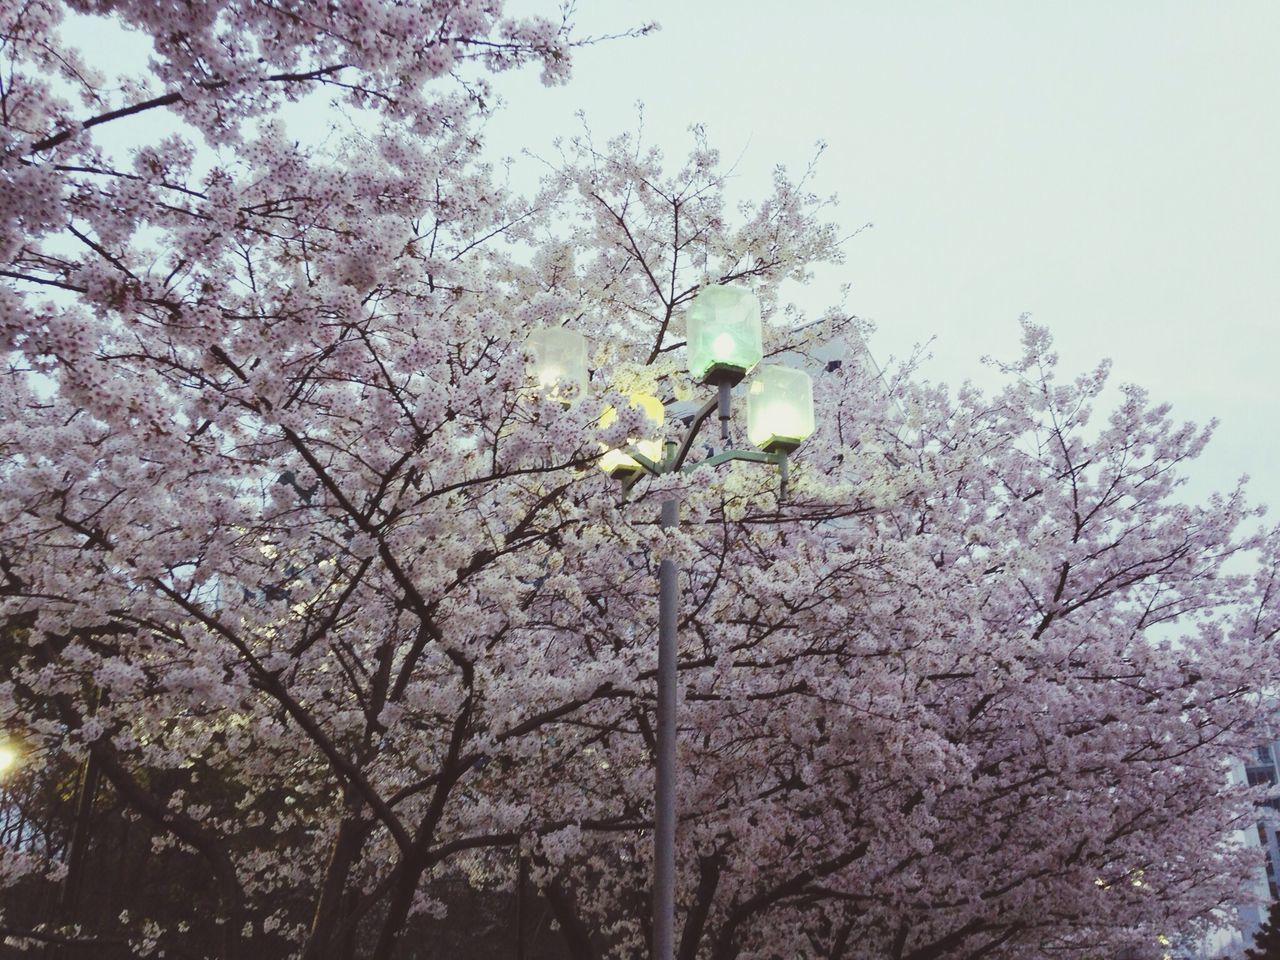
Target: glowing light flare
{"type": "Point", "coordinates": [10, 757]}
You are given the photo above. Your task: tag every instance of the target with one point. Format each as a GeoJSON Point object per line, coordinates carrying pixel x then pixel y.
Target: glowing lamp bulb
{"type": "Point", "coordinates": [722, 346]}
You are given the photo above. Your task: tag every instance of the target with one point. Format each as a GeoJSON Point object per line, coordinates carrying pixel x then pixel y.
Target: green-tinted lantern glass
{"type": "Point", "coordinates": [779, 408]}
{"type": "Point", "coordinates": [559, 361]}
{"type": "Point", "coordinates": [723, 334]}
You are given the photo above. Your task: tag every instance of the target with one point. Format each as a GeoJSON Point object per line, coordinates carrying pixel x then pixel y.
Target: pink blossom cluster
{"type": "Point", "coordinates": [295, 553]}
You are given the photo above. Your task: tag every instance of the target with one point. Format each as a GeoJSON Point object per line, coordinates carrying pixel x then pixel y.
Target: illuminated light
{"type": "Point", "coordinates": [779, 408]}
{"type": "Point", "coordinates": [9, 758]}
{"type": "Point", "coordinates": [559, 364]}
{"type": "Point", "coordinates": [723, 335]}
{"type": "Point", "coordinates": [617, 463]}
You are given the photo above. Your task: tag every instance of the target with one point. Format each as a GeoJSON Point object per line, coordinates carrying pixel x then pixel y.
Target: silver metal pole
{"type": "Point", "coordinates": [664, 833]}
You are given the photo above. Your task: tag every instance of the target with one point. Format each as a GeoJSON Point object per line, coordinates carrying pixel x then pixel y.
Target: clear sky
{"type": "Point", "coordinates": [1110, 168]}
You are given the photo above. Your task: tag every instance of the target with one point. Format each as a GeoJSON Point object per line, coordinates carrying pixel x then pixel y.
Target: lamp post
{"type": "Point", "coordinates": [724, 345]}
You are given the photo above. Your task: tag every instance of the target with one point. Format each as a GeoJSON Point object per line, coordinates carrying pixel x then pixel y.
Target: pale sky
{"type": "Point", "coordinates": [1110, 168]}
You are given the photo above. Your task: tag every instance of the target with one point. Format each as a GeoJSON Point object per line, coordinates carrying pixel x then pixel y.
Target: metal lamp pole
{"type": "Point", "coordinates": [664, 827]}
{"type": "Point", "coordinates": [664, 832]}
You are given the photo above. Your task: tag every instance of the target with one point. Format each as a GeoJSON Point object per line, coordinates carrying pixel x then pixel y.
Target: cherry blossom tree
{"type": "Point", "coordinates": [1266, 942]}
{"type": "Point", "coordinates": [299, 564]}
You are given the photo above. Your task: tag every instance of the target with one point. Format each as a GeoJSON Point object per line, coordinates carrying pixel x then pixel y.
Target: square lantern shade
{"type": "Point", "coordinates": [779, 409]}
{"type": "Point", "coordinates": [559, 361]}
{"type": "Point", "coordinates": [723, 334]}
{"type": "Point", "coordinates": [618, 464]}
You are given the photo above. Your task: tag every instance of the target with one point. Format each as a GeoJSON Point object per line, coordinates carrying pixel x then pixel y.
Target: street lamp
{"type": "Point", "coordinates": [621, 465]}
{"type": "Point", "coordinates": [779, 412]}
{"type": "Point", "coordinates": [723, 334]}
{"type": "Point", "coordinates": [724, 345]}
{"type": "Point", "coordinates": [559, 361]}
{"type": "Point", "coordinates": [723, 340]}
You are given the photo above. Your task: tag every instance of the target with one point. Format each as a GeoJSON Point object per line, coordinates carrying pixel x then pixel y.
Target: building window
{"type": "Point", "coordinates": [1261, 776]}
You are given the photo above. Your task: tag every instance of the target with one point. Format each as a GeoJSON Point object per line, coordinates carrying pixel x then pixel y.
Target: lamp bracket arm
{"type": "Point", "coordinates": [687, 441]}
{"type": "Point", "coordinates": [755, 456]}
{"type": "Point", "coordinates": [651, 466]}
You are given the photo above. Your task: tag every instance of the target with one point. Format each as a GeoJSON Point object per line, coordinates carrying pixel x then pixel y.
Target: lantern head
{"type": "Point", "coordinates": [559, 362]}
{"type": "Point", "coordinates": [779, 409]}
{"type": "Point", "coordinates": [617, 463]}
{"type": "Point", "coordinates": [723, 334]}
